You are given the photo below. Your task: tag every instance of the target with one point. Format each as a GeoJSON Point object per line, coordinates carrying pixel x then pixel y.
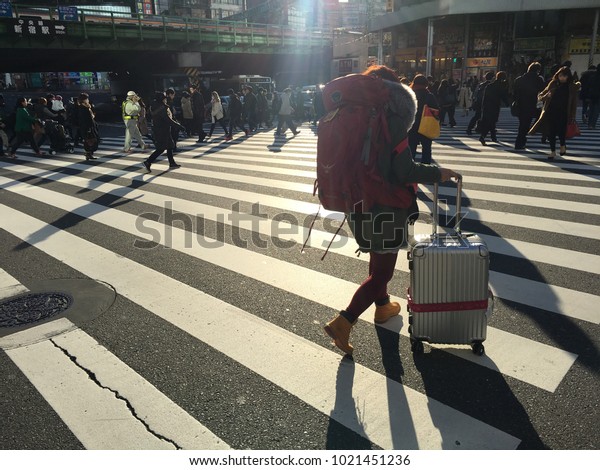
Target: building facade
{"type": "Point", "coordinates": [460, 39]}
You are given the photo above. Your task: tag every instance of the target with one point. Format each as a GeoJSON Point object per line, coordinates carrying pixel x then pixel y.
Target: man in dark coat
{"type": "Point", "coordinates": [162, 122]}
{"type": "Point", "coordinates": [494, 95]}
{"type": "Point", "coordinates": [586, 80]}
{"type": "Point", "coordinates": [198, 110]}
{"type": "Point", "coordinates": [170, 92]}
{"type": "Point", "coordinates": [478, 100]}
{"type": "Point", "coordinates": [250, 107]}
{"type": "Point", "coordinates": [235, 114]}
{"type": "Point", "coordinates": [594, 95]}
{"type": "Point", "coordinates": [526, 90]}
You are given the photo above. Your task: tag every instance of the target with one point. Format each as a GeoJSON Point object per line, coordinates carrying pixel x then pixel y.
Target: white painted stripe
{"type": "Point", "coordinates": [9, 286]}
{"type": "Point", "coordinates": [189, 147]}
{"type": "Point", "coordinates": [503, 290]}
{"type": "Point", "coordinates": [518, 199]}
{"type": "Point", "coordinates": [234, 194]}
{"type": "Point", "coordinates": [319, 239]}
{"type": "Point", "coordinates": [315, 286]}
{"type": "Point", "coordinates": [444, 153]}
{"type": "Point", "coordinates": [259, 158]}
{"type": "Point", "coordinates": [416, 421]}
{"type": "Point", "coordinates": [90, 424]}
{"type": "Point", "coordinates": [265, 226]}
{"type": "Point", "coordinates": [537, 160]}
{"type": "Point", "coordinates": [191, 166]}
{"type": "Point", "coordinates": [305, 207]}
{"type": "Point", "coordinates": [486, 216]}
{"type": "Point", "coordinates": [108, 424]}
{"type": "Point", "coordinates": [93, 413]}
{"type": "Point", "coordinates": [586, 262]}
{"type": "Point", "coordinates": [483, 215]}
{"type": "Point", "coordinates": [534, 186]}
{"type": "Point", "coordinates": [548, 175]}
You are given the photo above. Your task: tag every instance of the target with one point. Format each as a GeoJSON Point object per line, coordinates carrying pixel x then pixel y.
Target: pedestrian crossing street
{"type": "Point", "coordinates": [215, 339]}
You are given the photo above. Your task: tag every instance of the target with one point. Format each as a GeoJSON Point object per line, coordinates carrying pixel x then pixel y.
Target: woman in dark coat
{"type": "Point", "coordinates": [88, 129]}
{"type": "Point", "coordinates": [560, 106]}
{"type": "Point", "coordinates": [424, 97]}
{"type": "Point", "coordinates": [494, 95]}
{"type": "Point", "coordinates": [162, 122]}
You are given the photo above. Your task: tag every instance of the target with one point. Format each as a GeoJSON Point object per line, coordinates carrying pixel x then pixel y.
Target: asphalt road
{"type": "Point", "coordinates": [217, 318]}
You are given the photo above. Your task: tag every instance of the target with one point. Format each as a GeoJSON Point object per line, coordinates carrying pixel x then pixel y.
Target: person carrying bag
{"type": "Point", "coordinates": [427, 109]}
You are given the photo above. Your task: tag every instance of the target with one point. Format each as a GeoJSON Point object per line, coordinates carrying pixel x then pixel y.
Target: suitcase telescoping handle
{"type": "Point", "coordinates": [458, 206]}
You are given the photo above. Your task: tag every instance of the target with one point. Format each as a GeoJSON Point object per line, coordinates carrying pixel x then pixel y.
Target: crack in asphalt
{"type": "Point", "coordinates": [93, 378]}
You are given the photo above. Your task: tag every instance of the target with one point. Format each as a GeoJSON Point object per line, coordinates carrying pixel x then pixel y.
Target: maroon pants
{"type": "Point", "coordinates": [374, 288]}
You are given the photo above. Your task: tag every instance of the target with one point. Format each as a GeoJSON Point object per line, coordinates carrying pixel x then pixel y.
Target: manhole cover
{"type": "Point", "coordinates": [32, 308]}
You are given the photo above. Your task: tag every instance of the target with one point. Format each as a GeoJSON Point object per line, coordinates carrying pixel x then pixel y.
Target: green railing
{"type": "Point", "coordinates": [198, 33]}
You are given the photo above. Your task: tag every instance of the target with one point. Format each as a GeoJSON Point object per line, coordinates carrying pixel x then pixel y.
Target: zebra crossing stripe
{"type": "Point", "coordinates": [299, 366]}
{"type": "Point", "coordinates": [534, 252]}
{"type": "Point", "coordinates": [192, 167]}
{"type": "Point", "coordinates": [105, 403]}
{"type": "Point", "coordinates": [9, 286]}
{"type": "Point", "coordinates": [554, 204]}
{"type": "Point", "coordinates": [505, 218]}
{"type": "Point", "coordinates": [551, 298]}
{"type": "Point", "coordinates": [546, 373]}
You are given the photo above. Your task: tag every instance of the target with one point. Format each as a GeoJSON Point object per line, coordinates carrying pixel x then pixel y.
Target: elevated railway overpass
{"type": "Point", "coordinates": [43, 39]}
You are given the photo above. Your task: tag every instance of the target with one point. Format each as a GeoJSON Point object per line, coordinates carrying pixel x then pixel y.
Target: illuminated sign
{"type": "Point", "coordinates": [39, 28]}
{"type": "Point", "coordinates": [482, 62]}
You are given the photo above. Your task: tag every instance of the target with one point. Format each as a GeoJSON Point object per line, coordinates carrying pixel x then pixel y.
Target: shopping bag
{"type": "Point", "coordinates": [430, 124]}
{"type": "Point", "coordinates": [572, 130]}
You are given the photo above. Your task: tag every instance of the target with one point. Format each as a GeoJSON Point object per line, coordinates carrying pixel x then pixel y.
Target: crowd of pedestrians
{"type": "Point", "coordinates": [74, 123]}
{"type": "Point", "coordinates": [544, 107]}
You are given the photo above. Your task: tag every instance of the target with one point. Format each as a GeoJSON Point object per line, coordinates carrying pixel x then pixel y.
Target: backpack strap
{"type": "Point", "coordinates": [312, 224]}
{"type": "Point", "coordinates": [333, 238]}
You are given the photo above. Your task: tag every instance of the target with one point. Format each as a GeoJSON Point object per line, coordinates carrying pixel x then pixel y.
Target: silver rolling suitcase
{"type": "Point", "coordinates": [449, 300]}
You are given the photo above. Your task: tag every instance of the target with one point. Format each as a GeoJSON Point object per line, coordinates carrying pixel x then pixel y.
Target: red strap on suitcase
{"type": "Point", "coordinates": [446, 306]}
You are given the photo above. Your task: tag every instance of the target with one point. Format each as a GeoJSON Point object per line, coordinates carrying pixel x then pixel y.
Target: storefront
{"type": "Point", "coordinates": [479, 66]}
{"type": "Point", "coordinates": [483, 47]}
{"type": "Point", "coordinates": [528, 50]}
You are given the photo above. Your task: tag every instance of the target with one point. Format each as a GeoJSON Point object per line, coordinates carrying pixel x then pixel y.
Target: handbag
{"type": "Point", "coordinates": [514, 108]}
{"type": "Point", "coordinates": [430, 125]}
{"type": "Point", "coordinates": [572, 130]}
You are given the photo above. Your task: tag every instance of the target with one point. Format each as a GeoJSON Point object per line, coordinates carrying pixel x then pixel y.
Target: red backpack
{"type": "Point", "coordinates": [350, 138]}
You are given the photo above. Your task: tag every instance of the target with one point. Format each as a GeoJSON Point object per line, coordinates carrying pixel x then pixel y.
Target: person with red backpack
{"type": "Point", "coordinates": [382, 204]}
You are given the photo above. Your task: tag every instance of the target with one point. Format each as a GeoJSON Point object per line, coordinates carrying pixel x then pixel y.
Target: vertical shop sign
{"type": "Point", "coordinates": [6, 9]}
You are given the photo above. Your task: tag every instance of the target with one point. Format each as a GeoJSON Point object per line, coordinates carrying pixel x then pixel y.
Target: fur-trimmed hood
{"type": "Point", "coordinates": [403, 103]}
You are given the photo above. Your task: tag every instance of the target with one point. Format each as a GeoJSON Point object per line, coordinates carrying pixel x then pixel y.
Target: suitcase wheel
{"type": "Point", "coordinates": [416, 346]}
{"type": "Point", "coordinates": [478, 349]}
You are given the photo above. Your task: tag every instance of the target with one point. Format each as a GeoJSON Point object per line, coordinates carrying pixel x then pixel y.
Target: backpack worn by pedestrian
{"type": "Point", "coordinates": [350, 139]}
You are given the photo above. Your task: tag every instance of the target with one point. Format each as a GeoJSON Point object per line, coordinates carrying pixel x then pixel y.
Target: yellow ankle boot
{"type": "Point", "coordinates": [384, 312]}
{"type": "Point", "coordinates": [338, 330]}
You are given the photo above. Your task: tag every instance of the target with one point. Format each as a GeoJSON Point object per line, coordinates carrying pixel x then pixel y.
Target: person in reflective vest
{"type": "Point", "coordinates": [131, 109]}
